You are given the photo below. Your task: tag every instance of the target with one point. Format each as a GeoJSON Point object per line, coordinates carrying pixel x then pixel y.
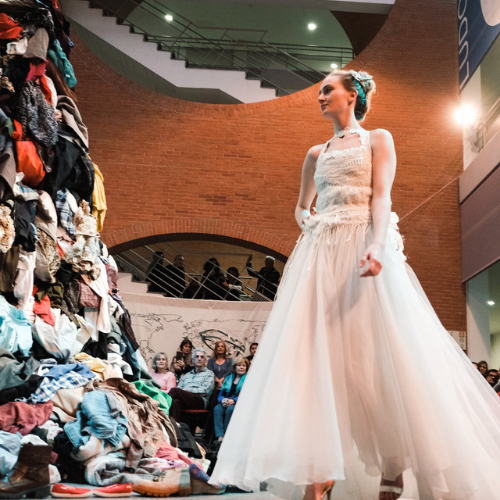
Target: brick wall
{"type": "Point", "coordinates": [174, 167]}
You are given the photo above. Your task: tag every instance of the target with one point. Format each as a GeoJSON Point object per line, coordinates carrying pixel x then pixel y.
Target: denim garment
{"type": "Point", "coordinates": [222, 417]}
{"type": "Point", "coordinates": [99, 415]}
{"type": "Point", "coordinates": [10, 445]}
{"type": "Point", "coordinates": [60, 370]}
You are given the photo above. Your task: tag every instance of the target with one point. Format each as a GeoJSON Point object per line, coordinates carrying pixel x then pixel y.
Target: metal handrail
{"type": "Point", "coordinates": [261, 296]}
{"type": "Point", "coordinates": [261, 60]}
{"type": "Point", "coordinates": [132, 260]}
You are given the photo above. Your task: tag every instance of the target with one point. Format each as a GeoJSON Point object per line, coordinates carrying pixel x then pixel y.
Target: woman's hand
{"type": "Point", "coordinates": [179, 364]}
{"type": "Point", "coordinates": [373, 256]}
{"type": "Point", "coordinates": [313, 213]}
{"type": "Point", "coordinates": [227, 402]}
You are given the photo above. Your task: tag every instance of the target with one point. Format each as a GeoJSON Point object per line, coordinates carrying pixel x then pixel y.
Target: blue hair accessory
{"type": "Point", "coordinates": [357, 79]}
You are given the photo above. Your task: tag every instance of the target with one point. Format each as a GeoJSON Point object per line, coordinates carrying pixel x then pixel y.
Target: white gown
{"type": "Point", "coordinates": [354, 370]}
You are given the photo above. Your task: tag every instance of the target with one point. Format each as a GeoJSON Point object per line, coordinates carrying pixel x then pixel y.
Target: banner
{"type": "Point", "coordinates": [478, 27]}
{"type": "Point", "coordinates": [160, 323]}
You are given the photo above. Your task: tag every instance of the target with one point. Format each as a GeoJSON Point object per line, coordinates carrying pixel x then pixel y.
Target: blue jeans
{"type": "Point", "coordinates": [222, 417]}
{"type": "Point", "coordinates": [99, 415]}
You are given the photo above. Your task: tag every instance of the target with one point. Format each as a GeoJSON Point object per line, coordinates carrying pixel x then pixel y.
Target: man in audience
{"type": "Point", "coordinates": [268, 278]}
{"type": "Point", "coordinates": [492, 377]}
{"type": "Point", "coordinates": [253, 350]}
{"type": "Point", "coordinates": [194, 388]}
{"type": "Point", "coordinates": [156, 274]}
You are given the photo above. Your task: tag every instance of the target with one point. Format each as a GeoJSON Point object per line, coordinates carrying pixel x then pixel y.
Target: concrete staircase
{"type": "Point", "coordinates": [231, 82]}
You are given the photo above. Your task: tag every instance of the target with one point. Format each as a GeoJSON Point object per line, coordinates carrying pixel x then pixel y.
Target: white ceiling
{"type": "Point", "coordinates": [367, 6]}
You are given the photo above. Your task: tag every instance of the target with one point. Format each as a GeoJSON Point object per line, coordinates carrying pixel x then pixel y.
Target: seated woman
{"type": "Point", "coordinates": [160, 373]}
{"type": "Point", "coordinates": [182, 362]}
{"type": "Point", "coordinates": [220, 364]}
{"type": "Point", "coordinates": [229, 396]}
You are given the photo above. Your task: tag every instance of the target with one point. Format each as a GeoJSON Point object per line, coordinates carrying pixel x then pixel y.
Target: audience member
{"type": "Point", "coordinates": [194, 388]}
{"type": "Point", "coordinates": [156, 274]}
{"type": "Point", "coordinates": [213, 282]}
{"type": "Point", "coordinates": [220, 364]}
{"type": "Point", "coordinates": [253, 350]}
{"type": "Point", "coordinates": [475, 365]}
{"type": "Point", "coordinates": [175, 278]}
{"type": "Point", "coordinates": [268, 278]}
{"type": "Point", "coordinates": [492, 377]}
{"type": "Point", "coordinates": [192, 289]}
{"type": "Point", "coordinates": [182, 362]}
{"type": "Point", "coordinates": [234, 284]}
{"type": "Point", "coordinates": [165, 379]}
{"type": "Point", "coordinates": [482, 366]}
{"type": "Point", "coordinates": [229, 396]}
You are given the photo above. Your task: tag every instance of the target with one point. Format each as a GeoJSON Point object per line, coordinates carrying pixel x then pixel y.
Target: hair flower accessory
{"type": "Point", "coordinates": [359, 77]}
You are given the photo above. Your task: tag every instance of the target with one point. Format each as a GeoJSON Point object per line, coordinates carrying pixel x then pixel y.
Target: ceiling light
{"type": "Point", "coordinates": [169, 17]}
{"type": "Point", "coordinates": [465, 114]}
{"type": "Point", "coordinates": [312, 26]}
{"type": "Point", "coordinates": [334, 66]}
{"type": "Point", "coordinates": [491, 303]}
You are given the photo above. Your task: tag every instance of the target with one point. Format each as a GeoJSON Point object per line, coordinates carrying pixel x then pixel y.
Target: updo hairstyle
{"type": "Point", "coordinates": [362, 83]}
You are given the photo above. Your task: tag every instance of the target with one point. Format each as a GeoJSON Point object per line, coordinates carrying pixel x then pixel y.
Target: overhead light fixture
{"type": "Point", "coordinates": [490, 303]}
{"type": "Point", "coordinates": [169, 17]}
{"type": "Point", "coordinates": [465, 114]}
{"type": "Point", "coordinates": [334, 66]}
{"type": "Point", "coordinates": [311, 26]}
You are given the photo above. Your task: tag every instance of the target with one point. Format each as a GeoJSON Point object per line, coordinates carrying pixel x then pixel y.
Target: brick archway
{"type": "Point", "coordinates": [206, 229]}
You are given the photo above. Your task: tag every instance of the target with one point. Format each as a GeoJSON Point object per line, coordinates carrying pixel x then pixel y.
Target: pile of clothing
{"type": "Point", "coordinates": [77, 402]}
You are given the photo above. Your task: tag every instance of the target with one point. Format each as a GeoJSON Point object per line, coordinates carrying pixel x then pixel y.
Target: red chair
{"type": "Point", "coordinates": [195, 418]}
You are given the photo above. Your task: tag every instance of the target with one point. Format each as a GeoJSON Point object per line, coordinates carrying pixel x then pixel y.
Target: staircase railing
{"type": "Point", "coordinates": [285, 67]}
{"type": "Point", "coordinates": [133, 262]}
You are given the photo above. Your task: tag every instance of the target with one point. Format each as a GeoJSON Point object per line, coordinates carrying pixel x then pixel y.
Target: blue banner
{"type": "Point", "coordinates": [478, 27]}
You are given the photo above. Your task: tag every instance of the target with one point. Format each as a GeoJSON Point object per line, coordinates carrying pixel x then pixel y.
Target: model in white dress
{"type": "Point", "coordinates": [354, 365]}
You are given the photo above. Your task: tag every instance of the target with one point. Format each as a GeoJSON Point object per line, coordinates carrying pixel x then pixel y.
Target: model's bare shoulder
{"type": "Point", "coordinates": [314, 152]}
{"type": "Point", "coordinates": [380, 136]}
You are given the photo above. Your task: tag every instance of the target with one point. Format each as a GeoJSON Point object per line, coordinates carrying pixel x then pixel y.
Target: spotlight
{"type": "Point", "coordinates": [334, 66]}
{"type": "Point", "coordinates": [169, 17]}
{"type": "Point", "coordinates": [465, 114]}
{"type": "Point", "coordinates": [490, 303]}
{"type": "Point", "coordinates": [311, 26]}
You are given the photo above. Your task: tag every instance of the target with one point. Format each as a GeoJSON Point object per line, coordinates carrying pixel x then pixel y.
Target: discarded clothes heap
{"type": "Point", "coordinates": [74, 388]}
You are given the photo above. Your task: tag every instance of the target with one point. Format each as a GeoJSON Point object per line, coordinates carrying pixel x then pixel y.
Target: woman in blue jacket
{"type": "Point", "coordinates": [229, 395]}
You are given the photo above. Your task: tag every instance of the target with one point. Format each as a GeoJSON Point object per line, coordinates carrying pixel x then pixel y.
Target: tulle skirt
{"type": "Point", "coordinates": [356, 374]}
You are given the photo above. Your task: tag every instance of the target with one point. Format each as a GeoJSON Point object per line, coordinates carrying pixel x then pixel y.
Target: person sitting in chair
{"type": "Point", "coordinates": [229, 396]}
{"type": "Point", "coordinates": [194, 388]}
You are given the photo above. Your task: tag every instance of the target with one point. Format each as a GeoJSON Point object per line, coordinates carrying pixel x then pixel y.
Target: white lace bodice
{"type": "Point", "coordinates": [343, 181]}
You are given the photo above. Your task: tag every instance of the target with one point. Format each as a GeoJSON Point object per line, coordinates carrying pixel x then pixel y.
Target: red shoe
{"type": "Point", "coordinates": [64, 491]}
{"type": "Point", "coordinates": [115, 490]}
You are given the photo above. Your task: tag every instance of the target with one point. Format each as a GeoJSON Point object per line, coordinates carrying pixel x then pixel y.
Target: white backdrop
{"type": "Point", "coordinates": [161, 323]}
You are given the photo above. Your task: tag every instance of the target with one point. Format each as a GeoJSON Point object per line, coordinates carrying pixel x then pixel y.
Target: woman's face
{"type": "Point", "coordinates": [333, 97]}
{"type": "Point", "coordinates": [186, 348]}
{"type": "Point", "coordinates": [161, 363]}
{"type": "Point", "coordinates": [241, 368]}
{"type": "Point", "coordinates": [482, 368]}
{"type": "Point", "coordinates": [221, 348]}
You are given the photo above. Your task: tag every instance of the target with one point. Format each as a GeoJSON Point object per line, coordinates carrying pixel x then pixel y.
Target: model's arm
{"type": "Point", "coordinates": [307, 187]}
{"type": "Point", "coordinates": [384, 170]}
